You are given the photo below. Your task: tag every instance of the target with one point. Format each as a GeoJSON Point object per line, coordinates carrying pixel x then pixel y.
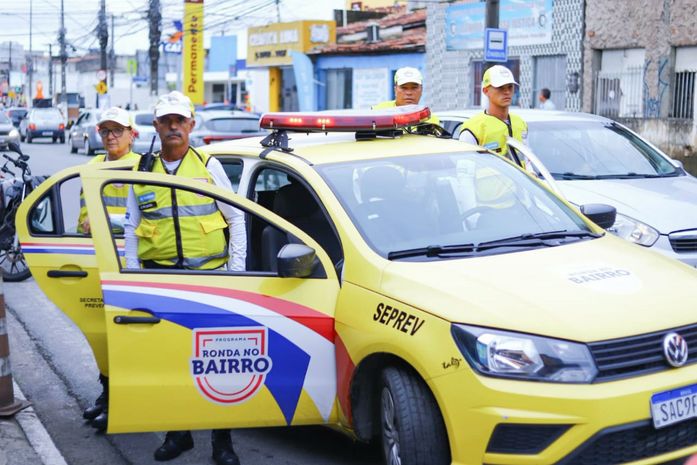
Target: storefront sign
{"type": "Point", "coordinates": [370, 86]}
{"type": "Point", "coordinates": [272, 45]}
{"type": "Point", "coordinates": [528, 22]}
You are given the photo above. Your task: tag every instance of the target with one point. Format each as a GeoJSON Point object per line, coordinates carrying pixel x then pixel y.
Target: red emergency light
{"type": "Point", "coordinates": [347, 120]}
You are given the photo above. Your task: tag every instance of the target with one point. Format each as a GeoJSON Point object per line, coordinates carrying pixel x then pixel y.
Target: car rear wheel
{"type": "Point", "coordinates": [62, 139]}
{"type": "Point", "coordinates": [412, 427]}
{"type": "Point", "coordinates": [88, 148]}
{"type": "Point", "coordinates": [73, 148]}
{"type": "Point", "coordinates": [29, 138]}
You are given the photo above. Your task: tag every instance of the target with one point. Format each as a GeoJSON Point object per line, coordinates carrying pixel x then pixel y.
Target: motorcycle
{"type": "Point", "coordinates": [13, 190]}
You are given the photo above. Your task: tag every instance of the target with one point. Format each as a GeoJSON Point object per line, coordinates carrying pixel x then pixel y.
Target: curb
{"type": "Point", "coordinates": [37, 435]}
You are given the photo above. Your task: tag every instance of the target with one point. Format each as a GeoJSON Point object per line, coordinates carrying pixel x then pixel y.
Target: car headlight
{"type": "Point", "coordinates": [14, 134]}
{"type": "Point", "coordinates": [506, 354]}
{"type": "Point", "coordinates": [634, 231]}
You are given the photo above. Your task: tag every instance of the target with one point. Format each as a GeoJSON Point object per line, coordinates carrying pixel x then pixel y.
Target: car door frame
{"type": "Point", "coordinates": [151, 390]}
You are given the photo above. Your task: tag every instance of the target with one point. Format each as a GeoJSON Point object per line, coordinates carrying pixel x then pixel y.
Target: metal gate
{"type": "Point", "coordinates": [550, 73]}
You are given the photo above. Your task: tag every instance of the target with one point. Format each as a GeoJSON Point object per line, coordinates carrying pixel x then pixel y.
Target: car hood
{"type": "Point", "coordinates": [586, 291]}
{"type": "Point", "coordinates": [666, 204]}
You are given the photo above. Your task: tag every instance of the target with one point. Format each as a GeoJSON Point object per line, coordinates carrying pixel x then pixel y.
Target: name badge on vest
{"type": "Point", "coordinates": [146, 201]}
{"type": "Point", "coordinates": [493, 146]}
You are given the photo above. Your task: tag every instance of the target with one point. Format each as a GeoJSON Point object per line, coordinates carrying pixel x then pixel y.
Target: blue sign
{"type": "Point", "coordinates": [139, 79]}
{"type": "Point", "coordinates": [496, 45]}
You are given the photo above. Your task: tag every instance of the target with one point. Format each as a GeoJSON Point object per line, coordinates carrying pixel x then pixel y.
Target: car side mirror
{"type": "Point", "coordinates": [599, 213]}
{"type": "Point", "coordinates": [677, 163]}
{"type": "Point", "coordinates": [295, 261]}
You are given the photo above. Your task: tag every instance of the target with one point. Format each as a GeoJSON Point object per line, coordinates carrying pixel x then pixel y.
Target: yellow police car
{"type": "Point", "coordinates": [403, 287]}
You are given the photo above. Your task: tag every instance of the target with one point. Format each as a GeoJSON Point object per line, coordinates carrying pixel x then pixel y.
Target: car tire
{"type": "Point", "coordinates": [88, 148]}
{"type": "Point", "coordinates": [73, 149]}
{"type": "Point", "coordinates": [21, 138]}
{"type": "Point", "coordinates": [53, 140]}
{"type": "Point", "coordinates": [28, 138]}
{"type": "Point", "coordinates": [411, 425]}
{"type": "Point", "coordinates": [62, 139]}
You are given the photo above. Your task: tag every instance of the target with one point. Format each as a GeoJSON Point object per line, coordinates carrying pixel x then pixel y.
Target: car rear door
{"type": "Point", "coordinates": [192, 349]}
{"type": "Point", "coordinates": [63, 262]}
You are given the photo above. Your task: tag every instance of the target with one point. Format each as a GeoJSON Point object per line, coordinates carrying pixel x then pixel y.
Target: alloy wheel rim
{"type": "Point", "coordinates": [390, 432]}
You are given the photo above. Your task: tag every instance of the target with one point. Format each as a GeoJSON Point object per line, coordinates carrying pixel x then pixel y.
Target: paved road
{"type": "Point", "coordinates": [55, 369]}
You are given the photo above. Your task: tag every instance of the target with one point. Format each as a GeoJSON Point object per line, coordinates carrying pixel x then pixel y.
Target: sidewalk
{"type": "Point", "coordinates": [24, 440]}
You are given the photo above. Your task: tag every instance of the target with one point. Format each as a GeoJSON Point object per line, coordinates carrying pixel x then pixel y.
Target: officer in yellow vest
{"type": "Point", "coordinates": [116, 130]}
{"type": "Point", "coordinates": [154, 225]}
{"type": "Point", "coordinates": [491, 127]}
{"type": "Point", "coordinates": [408, 87]}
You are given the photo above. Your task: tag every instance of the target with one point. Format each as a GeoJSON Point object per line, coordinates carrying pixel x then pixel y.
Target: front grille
{"type": "Point", "coordinates": [628, 443]}
{"type": "Point", "coordinates": [523, 438]}
{"type": "Point", "coordinates": [684, 241]}
{"type": "Point", "coordinates": [638, 355]}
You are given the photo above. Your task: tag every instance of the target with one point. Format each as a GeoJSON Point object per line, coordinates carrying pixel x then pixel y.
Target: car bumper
{"type": "Point", "coordinates": [52, 133]}
{"type": "Point", "coordinates": [664, 246]}
{"type": "Point", "coordinates": [545, 423]}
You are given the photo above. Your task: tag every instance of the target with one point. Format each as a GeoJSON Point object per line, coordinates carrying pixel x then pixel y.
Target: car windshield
{"type": "Point", "coordinates": [233, 124]}
{"type": "Point", "coordinates": [46, 115]}
{"type": "Point", "coordinates": [444, 205]}
{"type": "Point", "coordinates": [144, 119]}
{"type": "Point", "coordinates": [595, 150]}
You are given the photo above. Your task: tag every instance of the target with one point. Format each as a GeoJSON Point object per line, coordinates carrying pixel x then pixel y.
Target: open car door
{"type": "Point", "coordinates": [63, 261]}
{"type": "Point", "coordinates": [194, 349]}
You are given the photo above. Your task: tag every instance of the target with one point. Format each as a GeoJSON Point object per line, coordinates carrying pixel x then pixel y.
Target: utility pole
{"type": "Point", "coordinates": [64, 58]}
{"type": "Point", "coordinates": [9, 75]}
{"type": "Point", "coordinates": [278, 10]}
{"type": "Point", "coordinates": [112, 55]}
{"type": "Point", "coordinates": [103, 35]}
{"type": "Point", "coordinates": [155, 33]}
{"type": "Point", "coordinates": [30, 68]}
{"type": "Point", "coordinates": [492, 21]}
{"type": "Point", "coordinates": [50, 71]}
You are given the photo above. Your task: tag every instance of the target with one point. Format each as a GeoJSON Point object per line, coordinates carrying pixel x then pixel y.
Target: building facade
{"type": "Point", "coordinates": [545, 50]}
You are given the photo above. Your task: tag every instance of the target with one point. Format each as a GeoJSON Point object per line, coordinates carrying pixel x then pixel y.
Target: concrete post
{"type": "Point", "coordinates": [8, 404]}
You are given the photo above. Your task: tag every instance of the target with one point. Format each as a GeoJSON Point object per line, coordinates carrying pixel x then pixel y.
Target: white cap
{"type": "Point", "coordinates": [117, 115]}
{"type": "Point", "coordinates": [174, 103]}
{"type": "Point", "coordinates": [406, 75]}
{"type": "Point", "coordinates": [497, 76]}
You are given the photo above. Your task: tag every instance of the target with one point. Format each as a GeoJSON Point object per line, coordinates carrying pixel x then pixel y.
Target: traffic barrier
{"type": "Point", "coordinates": [8, 404]}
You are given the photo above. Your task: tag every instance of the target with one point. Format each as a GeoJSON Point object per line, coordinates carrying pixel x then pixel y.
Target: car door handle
{"type": "Point", "coordinates": [141, 320]}
{"type": "Point", "coordinates": [66, 274]}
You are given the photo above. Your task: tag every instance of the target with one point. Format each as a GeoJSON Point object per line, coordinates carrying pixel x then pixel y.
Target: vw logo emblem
{"type": "Point", "coordinates": [675, 349]}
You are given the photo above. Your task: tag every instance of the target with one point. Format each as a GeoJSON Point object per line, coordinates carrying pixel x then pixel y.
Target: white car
{"type": "Point", "coordinates": [144, 132]}
{"type": "Point", "coordinates": [597, 160]}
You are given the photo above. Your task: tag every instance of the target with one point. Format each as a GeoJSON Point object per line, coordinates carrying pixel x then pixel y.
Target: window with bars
{"type": "Point", "coordinates": [684, 95]}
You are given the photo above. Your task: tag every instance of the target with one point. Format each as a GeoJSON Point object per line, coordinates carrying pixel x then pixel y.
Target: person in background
{"type": "Point", "coordinates": [116, 130]}
{"type": "Point", "coordinates": [161, 250]}
{"type": "Point", "coordinates": [408, 87]}
{"type": "Point", "coordinates": [494, 125]}
{"type": "Point", "coordinates": [545, 102]}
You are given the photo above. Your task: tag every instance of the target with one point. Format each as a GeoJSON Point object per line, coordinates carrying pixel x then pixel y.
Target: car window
{"type": "Point", "coordinates": [233, 170]}
{"type": "Point", "coordinates": [444, 199]}
{"type": "Point", "coordinates": [144, 119]}
{"type": "Point", "coordinates": [290, 198]}
{"type": "Point", "coordinates": [233, 124]}
{"type": "Point", "coordinates": [56, 213]}
{"type": "Point", "coordinates": [594, 149]}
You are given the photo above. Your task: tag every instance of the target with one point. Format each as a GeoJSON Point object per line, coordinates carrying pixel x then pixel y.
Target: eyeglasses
{"type": "Point", "coordinates": [117, 132]}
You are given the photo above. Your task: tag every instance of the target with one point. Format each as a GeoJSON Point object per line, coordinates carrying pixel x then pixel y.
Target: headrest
{"type": "Point", "coordinates": [381, 182]}
{"type": "Point", "coordinates": [294, 201]}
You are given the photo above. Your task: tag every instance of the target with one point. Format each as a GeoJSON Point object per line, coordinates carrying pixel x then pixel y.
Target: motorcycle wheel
{"type": "Point", "coordinates": [13, 266]}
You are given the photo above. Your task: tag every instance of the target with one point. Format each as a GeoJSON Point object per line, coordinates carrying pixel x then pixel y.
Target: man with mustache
{"type": "Point", "coordinates": [177, 229]}
{"type": "Point", "coordinates": [491, 127]}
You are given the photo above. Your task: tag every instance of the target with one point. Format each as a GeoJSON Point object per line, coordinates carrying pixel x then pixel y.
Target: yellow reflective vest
{"type": "Point", "coordinates": [393, 104]}
{"type": "Point", "coordinates": [180, 228]}
{"type": "Point", "coordinates": [114, 196]}
{"type": "Point", "coordinates": [491, 132]}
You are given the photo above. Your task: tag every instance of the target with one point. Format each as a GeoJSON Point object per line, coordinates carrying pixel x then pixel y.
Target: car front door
{"type": "Point", "coordinates": [63, 261]}
{"type": "Point", "coordinates": [192, 349]}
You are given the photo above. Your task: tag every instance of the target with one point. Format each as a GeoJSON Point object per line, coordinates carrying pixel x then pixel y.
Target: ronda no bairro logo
{"type": "Point", "coordinates": [230, 365]}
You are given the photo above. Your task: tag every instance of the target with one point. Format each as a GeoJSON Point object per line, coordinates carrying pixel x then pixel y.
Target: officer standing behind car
{"type": "Point", "coordinates": [116, 130]}
{"type": "Point", "coordinates": [173, 122]}
{"type": "Point", "coordinates": [491, 128]}
{"type": "Point", "coordinates": [408, 87]}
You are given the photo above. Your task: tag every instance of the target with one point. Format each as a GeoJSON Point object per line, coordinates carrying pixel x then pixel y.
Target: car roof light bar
{"type": "Point", "coordinates": [346, 120]}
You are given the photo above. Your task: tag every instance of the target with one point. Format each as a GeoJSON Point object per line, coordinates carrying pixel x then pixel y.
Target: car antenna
{"type": "Point", "coordinates": [147, 160]}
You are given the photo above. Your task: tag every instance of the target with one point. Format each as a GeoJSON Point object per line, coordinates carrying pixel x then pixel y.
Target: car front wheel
{"type": "Point", "coordinates": [412, 427]}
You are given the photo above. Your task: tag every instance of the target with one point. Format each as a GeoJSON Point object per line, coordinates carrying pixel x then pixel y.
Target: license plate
{"type": "Point", "coordinates": [670, 407]}
{"type": "Point", "coordinates": [47, 133]}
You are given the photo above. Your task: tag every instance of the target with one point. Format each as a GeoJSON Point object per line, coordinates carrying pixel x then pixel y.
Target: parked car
{"type": "Point", "coordinates": [144, 132]}
{"type": "Point", "coordinates": [219, 106]}
{"type": "Point", "coordinates": [8, 133]}
{"type": "Point", "coordinates": [83, 134]}
{"type": "Point", "coordinates": [513, 331]}
{"type": "Point", "coordinates": [16, 114]}
{"type": "Point", "coordinates": [594, 159]}
{"type": "Point", "coordinates": [43, 123]}
{"type": "Point", "coordinates": [215, 126]}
